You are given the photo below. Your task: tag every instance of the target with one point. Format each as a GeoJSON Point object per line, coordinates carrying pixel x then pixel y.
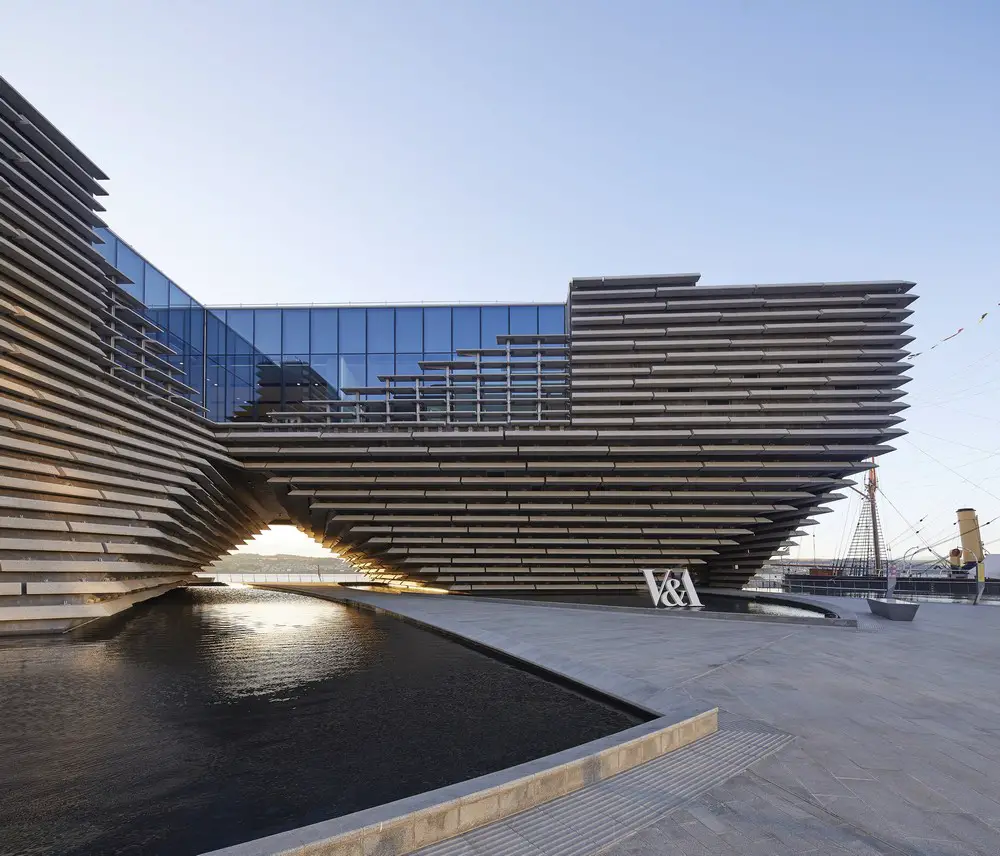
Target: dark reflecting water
{"type": "Point", "coordinates": [215, 715]}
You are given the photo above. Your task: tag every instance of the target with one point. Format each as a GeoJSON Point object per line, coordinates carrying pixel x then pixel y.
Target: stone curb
{"type": "Point", "coordinates": [406, 825]}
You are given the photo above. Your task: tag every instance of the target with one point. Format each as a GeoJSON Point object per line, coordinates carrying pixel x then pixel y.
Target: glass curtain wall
{"type": "Point", "coordinates": [219, 362]}
{"type": "Point", "coordinates": [353, 346]}
{"type": "Point", "coordinates": [245, 362]}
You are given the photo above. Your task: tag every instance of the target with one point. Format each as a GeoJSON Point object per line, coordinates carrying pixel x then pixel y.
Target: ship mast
{"type": "Point", "coordinates": [865, 554]}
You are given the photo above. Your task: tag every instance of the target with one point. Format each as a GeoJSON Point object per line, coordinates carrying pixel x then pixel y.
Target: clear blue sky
{"type": "Point", "coordinates": [398, 151]}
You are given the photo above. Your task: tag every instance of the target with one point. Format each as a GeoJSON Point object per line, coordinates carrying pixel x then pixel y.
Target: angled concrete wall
{"type": "Point", "coordinates": [111, 488]}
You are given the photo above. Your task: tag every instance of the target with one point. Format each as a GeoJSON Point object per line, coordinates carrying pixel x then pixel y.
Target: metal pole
{"type": "Point", "coordinates": [972, 543]}
{"type": "Point", "coordinates": [872, 485]}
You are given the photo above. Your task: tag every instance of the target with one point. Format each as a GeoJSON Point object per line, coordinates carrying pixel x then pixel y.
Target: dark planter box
{"type": "Point", "coordinates": [894, 610]}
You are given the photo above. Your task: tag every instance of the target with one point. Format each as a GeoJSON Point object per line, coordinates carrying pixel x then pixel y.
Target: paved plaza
{"type": "Point", "coordinates": [896, 726]}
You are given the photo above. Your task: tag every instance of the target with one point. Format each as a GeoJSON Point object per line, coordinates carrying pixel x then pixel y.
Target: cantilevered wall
{"type": "Point", "coordinates": [737, 411]}
{"type": "Point", "coordinates": [676, 424]}
{"type": "Point", "coordinates": [112, 489]}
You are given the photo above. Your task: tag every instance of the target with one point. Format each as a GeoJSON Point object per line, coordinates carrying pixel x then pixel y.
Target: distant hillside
{"type": "Point", "coordinates": [250, 563]}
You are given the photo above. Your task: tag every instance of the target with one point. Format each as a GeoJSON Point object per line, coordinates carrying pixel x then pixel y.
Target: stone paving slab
{"type": "Point", "coordinates": [898, 747]}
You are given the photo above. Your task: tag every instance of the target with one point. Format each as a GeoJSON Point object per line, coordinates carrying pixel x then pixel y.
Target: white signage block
{"type": "Point", "coordinates": [676, 590]}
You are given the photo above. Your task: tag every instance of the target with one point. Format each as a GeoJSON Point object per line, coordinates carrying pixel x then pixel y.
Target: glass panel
{"type": "Point", "coordinates": [495, 323]}
{"type": "Point", "coordinates": [352, 367]}
{"type": "Point", "coordinates": [241, 321]}
{"type": "Point", "coordinates": [267, 331]}
{"type": "Point", "coordinates": [324, 330]}
{"type": "Point", "coordinates": [409, 329]}
{"type": "Point", "coordinates": [161, 318]}
{"type": "Point", "coordinates": [214, 392]}
{"type": "Point", "coordinates": [437, 328]}
{"type": "Point", "coordinates": [195, 376]}
{"type": "Point", "coordinates": [268, 379]}
{"type": "Point", "coordinates": [178, 296]}
{"type": "Point", "coordinates": [215, 342]}
{"type": "Point", "coordinates": [295, 325]}
{"type": "Point", "coordinates": [180, 327]}
{"type": "Point", "coordinates": [465, 327]}
{"type": "Point", "coordinates": [379, 364]}
{"type": "Point", "coordinates": [157, 288]}
{"type": "Point", "coordinates": [325, 365]}
{"type": "Point", "coordinates": [351, 325]}
{"type": "Point", "coordinates": [552, 319]}
{"type": "Point", "coordinates": [130, 264]}
{"type": "Point", "coordinates": [320, 386]}
{"type": "Point", "coordinates": [381, 338]}
{"type": "Point", "coordinates": [408, 363]}
{"type": "Point", "coordinates": [198, 316]}
{"type": "Point", "coordinates": [524, 320]}
{"type": "Point", "coordinates": [107, 249]}
{"type": "Point", "coordinates": [236, 345]}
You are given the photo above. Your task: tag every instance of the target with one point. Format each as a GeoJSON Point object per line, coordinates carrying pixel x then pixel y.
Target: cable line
{"type": "Point", "coordinates": [941, 463]}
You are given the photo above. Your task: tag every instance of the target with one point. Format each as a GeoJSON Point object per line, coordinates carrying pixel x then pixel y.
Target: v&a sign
{"type": "Point", "coordinates": [675, 590]}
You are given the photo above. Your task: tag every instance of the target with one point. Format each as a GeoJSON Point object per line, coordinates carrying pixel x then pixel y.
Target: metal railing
{"type": "Point", "coordinates": [250, 578]}
{"type": "Point", "coordinates": [908, 586]}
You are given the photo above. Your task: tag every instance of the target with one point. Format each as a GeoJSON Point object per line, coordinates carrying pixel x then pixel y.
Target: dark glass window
{"type": "Point", "coordinates": [409, 329]}
{"type": "Point", "coordinates": [267, 331]}
{"type": "Point", "coordinates": [351, 325]}
{"type": "Point", "coordinates": [295, 326]}
{"type": "Point", "coordinates": [324, 330]}
{"type": "Point", "coordinates": [381, 336]}
{"type": "Point", "coordinates": [524, 320]}
{"type": "Point", "coordinates": [552, 319]}
{"type": "Point", "coordinates": [465, 327]}
{"type": "Point", "coordinates": [352, 369]}
{"type": "Point", "coordinates": [130, 264]}
{"type": "Point", "coordinates": [495, 323]}
{"type": "Point", "coordinates": [437, 328]}
{"type": "Point", "coordinates": [241, 322]}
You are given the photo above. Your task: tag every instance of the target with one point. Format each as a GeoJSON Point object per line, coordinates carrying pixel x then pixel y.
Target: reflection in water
{"type": "Point", "coordinates": [252, 648]}
{"type": "Point", "coordinates": [215, 715]}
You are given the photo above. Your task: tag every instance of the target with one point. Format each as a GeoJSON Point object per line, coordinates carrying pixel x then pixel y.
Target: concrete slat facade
{"type": "Point", "coordinates": [111, 489]}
